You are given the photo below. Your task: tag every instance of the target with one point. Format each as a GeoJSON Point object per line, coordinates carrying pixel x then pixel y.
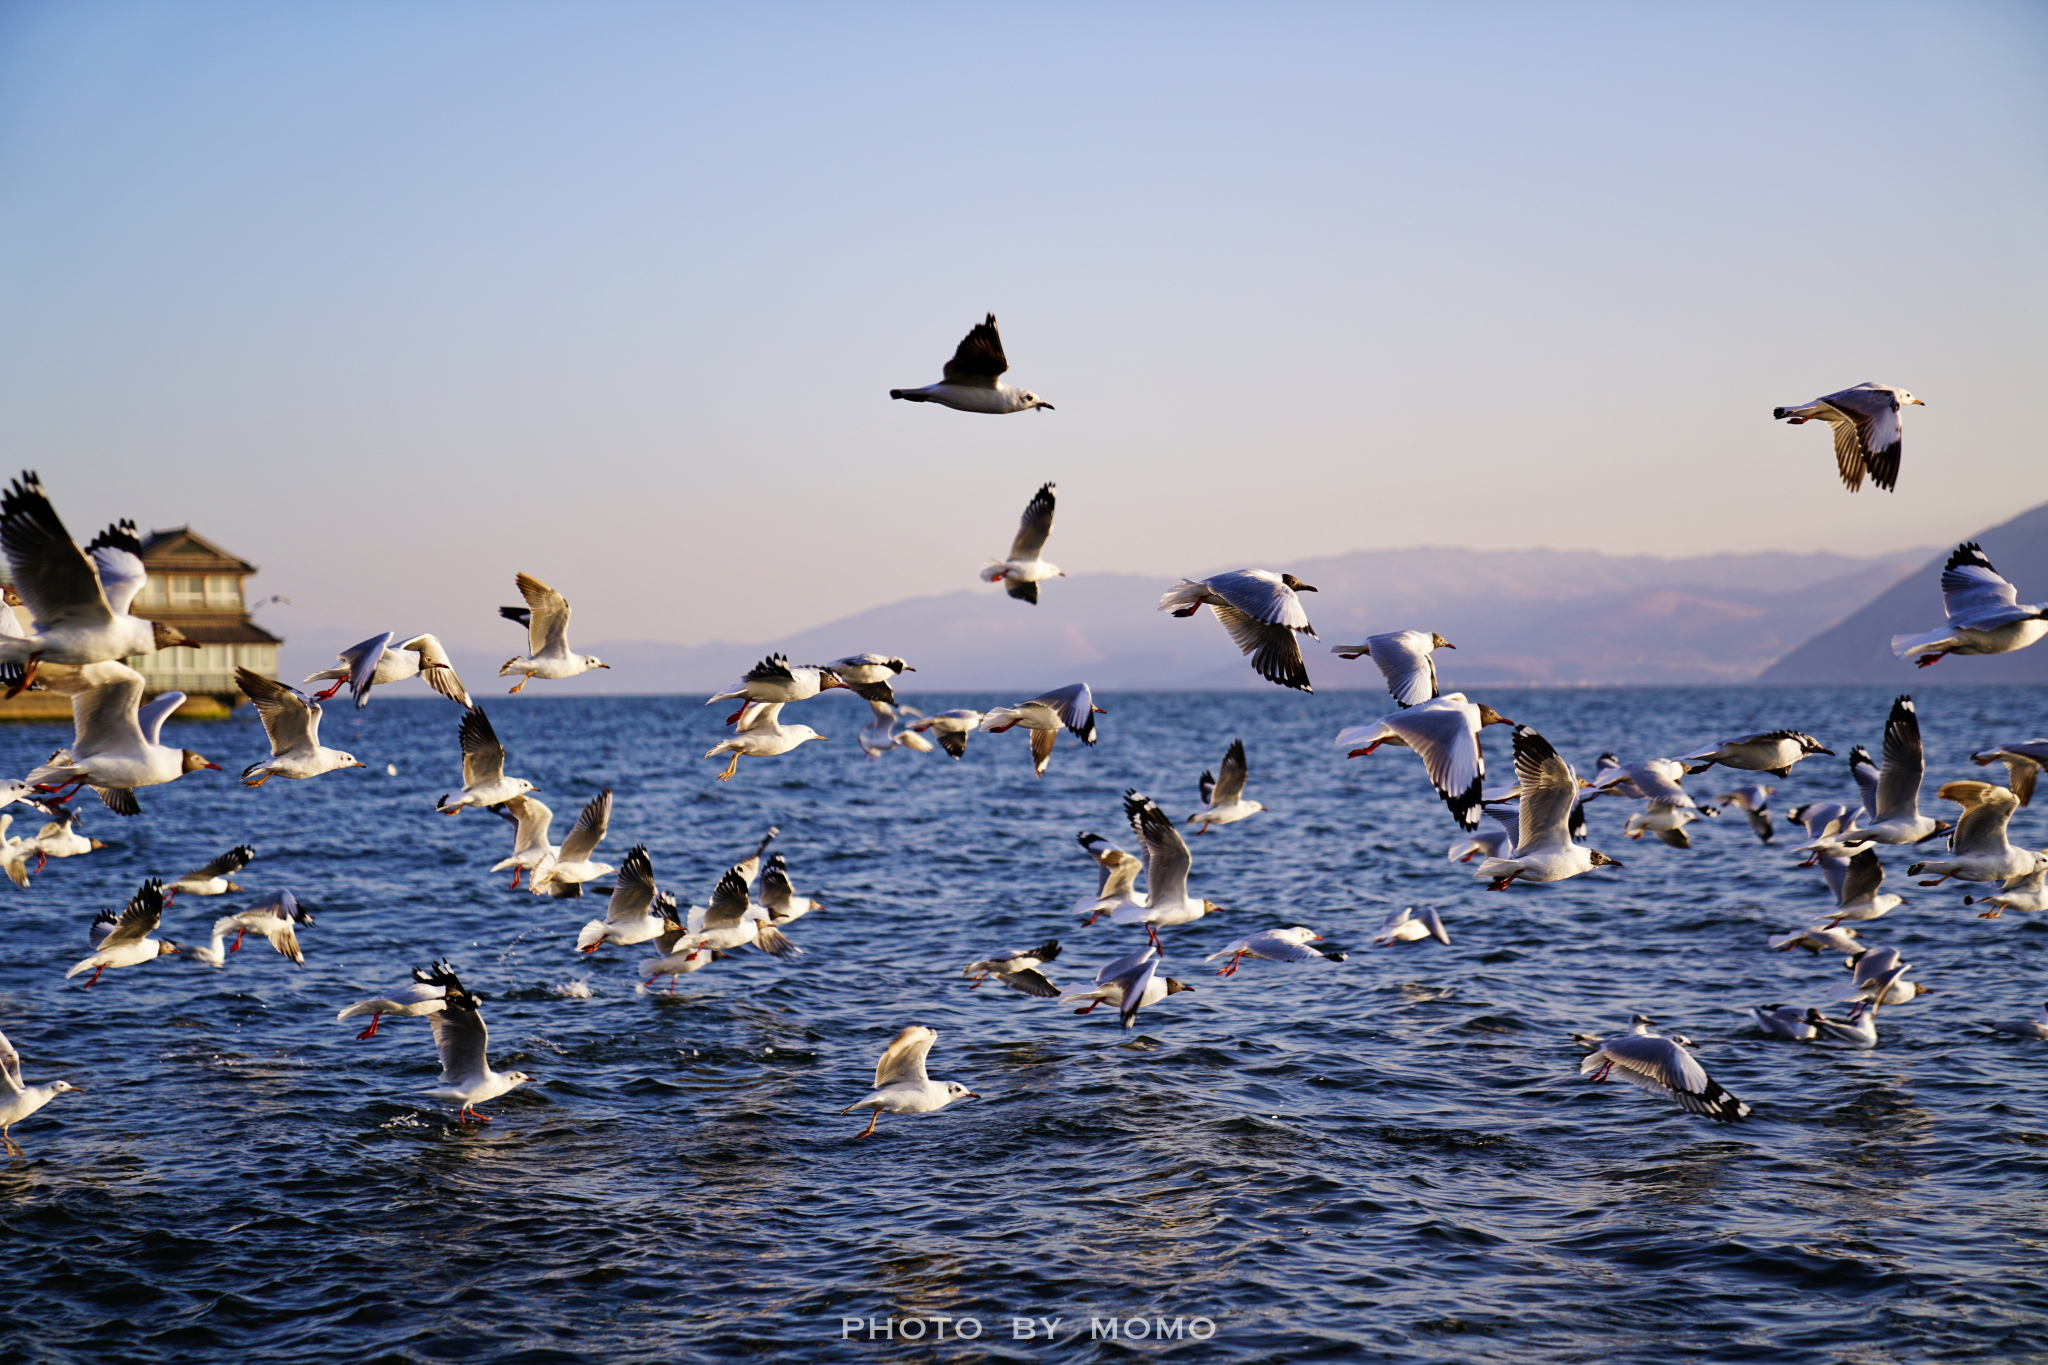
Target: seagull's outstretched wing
{"type": "Point", "coordinates": [903, 1059]}
{"type": "Point", "coordinates": [1035, 526]}
{"type": "Point", "coordinates": [547, 626]}
{"type": "Point", "coordinates": [978, 361]}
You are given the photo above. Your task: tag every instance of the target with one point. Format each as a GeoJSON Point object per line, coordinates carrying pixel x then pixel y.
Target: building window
{"type": "Point", "coordinates": [152, 594]}
{"type": "Point", "coordinates": [188, 590]}
{"type": "Point", "coordinates": [223, 590]}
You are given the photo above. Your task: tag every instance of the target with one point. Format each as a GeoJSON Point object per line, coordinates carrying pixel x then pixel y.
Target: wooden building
{"type": "Point", "coordinates": [198, 587]}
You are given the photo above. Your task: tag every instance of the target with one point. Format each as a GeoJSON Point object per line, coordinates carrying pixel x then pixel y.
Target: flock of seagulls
{"type": "Point", "coordinates": [78, 629]}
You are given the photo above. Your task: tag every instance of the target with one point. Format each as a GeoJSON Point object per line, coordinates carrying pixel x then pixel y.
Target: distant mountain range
{"type": "Point", "coordinates": [1858, 649]}
{"type": "Point", "coordinates": [1536, 617]}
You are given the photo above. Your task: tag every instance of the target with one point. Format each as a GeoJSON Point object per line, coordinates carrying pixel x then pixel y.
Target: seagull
{"type": "Point", "coordinates": [1655, 780]}
{"type": "Point", "coordinates": [572, 863]}
{"type": "Point", "coordinates": [1131, 983]}
{"type": "Point", "coordinates": [212, 879]}
{"type": "Point", "coordinates": [880, 737]}
{"type": "Point", "coordinates": [1858, 1030]}
{"type": "Point", "coordinates": [2023, 762]}
{"type": "Point", "coordinates": [18, 1101]}
{"type": "Point", "coordinates": [973, 381]}
{"type": "Point", "coordinates": [277, 919]}
{"type": "Point", "coordinates": [115, 748]}
{"type": "Point", "coordinates": [530, 822]}
{"type": "Point", "coordinates": [1660, 1064]}
{"type": "Point", "coordinates": [953, 728]}
{"type": "Point", "coordinates": [59, 836]}
{"type": "Point", "coordinates": [1666, 822]}
{"type": "Point", "coordinates": [1773, 751]}
{"type": "Point", "coordinates": [427, 995]}
{"type": "Point", "coordinates": [1984, 614]}
{"type": "Point", "coordinates": [293, 724]}
{"type": "Point", "coordinates": [1783, 1021]}
{"type": "Point", "coordinates": [1223, 800]}
{"type": "Point", "coordinates": [79, 599]}
{"type": "Point", "coordinates": [1822, 819]}
{"type": "Point", "coordinates": [761, 735]}
{"type": "Point", "coordinates": [2036, 1028]}
{"type": "Point", "coordinates": [1444, 733]}
{"type": "Point", "coordinates": [1754, 802]}
{"type": "Point", "coordinates": [483, 768]}
{"type": "Point", "coordinates": [1072, 706]}
{"type": "Point", "coordinates": [1861, 896]}
{"type": "Point", "coordinates": [1018, 968]}
{"type": "Point", "coordinates": [377, 661]}
{"type": "Point", "coordinates": [1832, 939]}
{"type": "Point", "coordinates": [1982, 851]}
{"type": "Point", "coordinates": [1896, 807]}
{"type": "Point", "coordinates": [124, 940]}
{"type": "Point", "coordinates": [15, 853]}
{"type": "Point", "coordinates": [2027, 893]}
{"type": "Point", "coordinates": [1167, 861]}
{"type": "Point", "coordinates": [779, 897]}
{"type": "Point", "coordinates": [1489, 843]}
{"type": "Point", "coordinates": [774, 679]}
{"type": "Point", "coordinates": [464, 1042]}
{"type": "Point", "coordinates": [1405, 660]}
{"type": "Point", "coordinates": [631, 916]}
{"type": "Point", "coordinates": [1544, 851]}
{"type": "Point", "coordinates": [1116, 880]}
{"type": "Point", "coordinates": [546, 618]}
{"type": "Point", "coordinates": [1027, 565]}
{"type": "Point", "coordinates": [901, 1085]}
{"type": "Point", "coordinates": [1411, 926]}
{"type": "Point", "coordinates": [870, 675]}
{"type": "Point", "coordinates": [1262, 611]}
{"type": "Point", "coordinates": [730, 921]}
{"type": "Point", "coordinates": [1273, 945]}
{"type": "Point", "coordinates": [1866, 424]}
{"type": "Point", "coordinates": [1873, 966]}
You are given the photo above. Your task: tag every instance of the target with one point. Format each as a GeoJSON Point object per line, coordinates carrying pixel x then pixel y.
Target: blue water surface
{"type": "Point", "coordinates": [1391, 1158]}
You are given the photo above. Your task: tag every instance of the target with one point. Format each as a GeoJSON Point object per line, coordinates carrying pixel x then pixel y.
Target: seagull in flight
{"type": "Point", "coordinates": [1984, 613]}
{"type": "Point", "coordinates": [546, 618]}
{"type": "Point", "coordinates": [1405, 658]}
{"type": "Point", "coordinates": [1262, 611]}
{"type": "Point", "coordinates": [292, 722]}
{"type": "Point", "coordinates": [1027, 565]}
{"type": "Point", "coordinates": [1867, 436]}
{"type": "Point", "coordinates": [973, 381]}
{"type": "Point", "coordinates": [376, 661]}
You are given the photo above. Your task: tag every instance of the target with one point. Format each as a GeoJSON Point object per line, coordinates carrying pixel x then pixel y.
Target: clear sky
{"type": "Point", "coordinates": [397, 298]}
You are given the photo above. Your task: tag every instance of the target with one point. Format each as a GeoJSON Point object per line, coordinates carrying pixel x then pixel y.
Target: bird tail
{"type": "Point", "coordinates": [1493, 869]}
{"type": "Point", "coordinates": [54, 773]}
{"type": "Point", "coordinates": [360, 1007]}
{"type": "Point", "coordinates": [591, 935]}
{"type": "Point", "coordinates": [1906, 646]}
{"type": "Point", "coordinates": [79, 968]}
{"type": "Point", "coordinates": [1187, 595]}
{"type": "Point", "coordinates": [505, 669]}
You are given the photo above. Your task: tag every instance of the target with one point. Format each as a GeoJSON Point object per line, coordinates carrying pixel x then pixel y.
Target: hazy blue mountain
{"type": "Point", "coordinates": [1858, 649]}
{"type": "Point", "coordinates": [1527, 616]}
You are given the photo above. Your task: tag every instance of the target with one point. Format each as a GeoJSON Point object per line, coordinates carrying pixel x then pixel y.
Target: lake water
{"type": "Point", "coordinates": [1392, 1158]}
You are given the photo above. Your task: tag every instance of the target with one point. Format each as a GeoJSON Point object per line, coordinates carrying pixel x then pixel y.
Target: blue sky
{"type": "Point", "coordinates": [398, 299]}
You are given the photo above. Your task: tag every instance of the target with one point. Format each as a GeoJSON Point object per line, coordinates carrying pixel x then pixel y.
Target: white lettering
{"type": "Point", "coordinates": [1021, 1329]}
{"type": "Point", "coordinates": [848, 1326]}
{"type": "Point", "coordinates": [941, 1321]}
{"type": "Point", "coordinates": [1165, 1331]}
{"type": "Point", "coordinates": [1195, 1326]}
{"type": "Point", "coordinates": [960, 1328]}
{"type": "Point", "coordinates": [1137, 1329]}
{"type": "Point", "coordinates": [909, 1335]}
{"type": "Point", "coordinates": [1052, 1327]}
{"type": "Point", "coordinates": [888, 1328]}
{"type": "Point", "coordinates": [1097, 1332]}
